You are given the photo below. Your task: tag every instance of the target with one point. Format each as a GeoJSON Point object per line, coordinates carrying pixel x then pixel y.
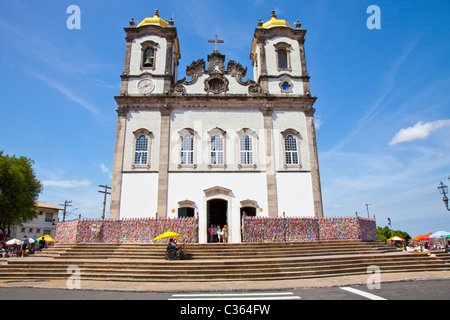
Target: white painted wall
{"type": "Point", "coordinates": [139, 195]}
{"type": "Point", "coordinates": [283, 120]}
{"type": "Point", "coordinates": [136, 54]}
{"type": "Point", "coordinates": [202, 121]}
{"type": "Point", "coordinates": [272, 59]}
{"type": "Point", "coordinates": [136, 120]}
{"type": "Point", "coordinates": [294, 192]}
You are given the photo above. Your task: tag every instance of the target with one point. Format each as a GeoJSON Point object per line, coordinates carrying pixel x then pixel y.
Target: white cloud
{"type": "Point", "coordinates": [68, 93]}
{"type": "Point", "coordinates": [420, 130]}
{"type": "Point", "coordinates": [66, 183]}
{"type": "Point", "coordinates": [104, 168]}
{"type": "Point", "coordinates": [317, 123]}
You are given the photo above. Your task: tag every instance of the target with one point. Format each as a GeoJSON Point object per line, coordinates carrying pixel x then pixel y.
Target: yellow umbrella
{"type": "Point", "coordinates": [46, 238]}
{"type": "Point", "coordinates": [166, 235]}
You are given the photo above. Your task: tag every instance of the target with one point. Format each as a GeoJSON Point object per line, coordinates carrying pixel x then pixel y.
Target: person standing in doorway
{"type": "Point", "coordinates": [211, 233]}
{"type": "Point", "coordinates": [215, 233]}
{"type": "Point", "coordinates": [225, 234]}
{"type": "Point", "coordinates": [219, 234]}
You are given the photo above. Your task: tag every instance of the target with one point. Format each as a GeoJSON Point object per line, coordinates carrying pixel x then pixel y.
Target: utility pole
{"type": "Point", "coordinates": [104, 201]}
{"type": "Point", "coordinates": [367, 207]}
{"type": "Point", "coordinates": [66, 204]}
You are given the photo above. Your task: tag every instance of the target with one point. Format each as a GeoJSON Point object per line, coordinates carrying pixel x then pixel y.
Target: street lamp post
{"type": "Point", "coordinates": [443, 189]}
{"type": "Point", "coordinates": [367, 207]}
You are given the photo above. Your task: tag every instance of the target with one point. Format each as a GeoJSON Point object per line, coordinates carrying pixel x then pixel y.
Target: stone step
{"type": "Point", "coordinates": [211, 271]}
{"type": "Point", "coordinates": [216, 251]}
{"type": "Point", "coordinates": [222, 276]}
{"type": "Point", "coordinates": [216, 262]}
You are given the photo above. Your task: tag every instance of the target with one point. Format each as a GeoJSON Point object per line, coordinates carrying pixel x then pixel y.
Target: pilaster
{"type": "Point", "coordinates": [116, 187]}
{"type": "Point", "coordinates": [163, 172]}
{"type": "Point", "coordinates": [314, 161]}
{"type": "Point", "coordinates": [272, 198]}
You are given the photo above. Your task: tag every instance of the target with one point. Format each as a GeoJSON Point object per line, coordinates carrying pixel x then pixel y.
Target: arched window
{"type": "Point", "coordinates": [246, 150]}
{"type": "Point", "coordinates": [187, 149]}
{"type": "Point", "coordinates": [148, 58]}
{"type": "Point", "coordinates": [290, 149]}
{"type": "Point", "coordinates": [148, 55]}
{"type": "Point", "coordinates": [217, 154]}
{"type": "Point", "coordinates": [141, 150]}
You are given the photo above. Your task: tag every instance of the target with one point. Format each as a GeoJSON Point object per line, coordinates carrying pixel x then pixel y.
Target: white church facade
{"type": "Point", "coordinates": [213, 145]}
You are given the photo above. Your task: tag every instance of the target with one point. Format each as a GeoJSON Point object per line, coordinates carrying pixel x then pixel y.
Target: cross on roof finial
{"type": "Point", "coordinates": [215, 41]}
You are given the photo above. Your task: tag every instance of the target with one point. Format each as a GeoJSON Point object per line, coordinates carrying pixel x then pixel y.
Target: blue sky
{"type": "Point", "coordinates": [382, 114]}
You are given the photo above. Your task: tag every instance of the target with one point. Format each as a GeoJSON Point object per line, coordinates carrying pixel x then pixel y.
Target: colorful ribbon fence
{"type": "Point", "coordinates": [255, 229]}
{"type": "Point", "coordinates": [308, 229]}
{"type": "Point", "coordinates": [126, 231]}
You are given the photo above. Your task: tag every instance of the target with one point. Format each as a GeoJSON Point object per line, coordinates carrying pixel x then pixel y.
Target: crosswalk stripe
{"type": "Point", "coordinates": [363, 293]}
{"type": "Point", "coordinates": [237, 296]}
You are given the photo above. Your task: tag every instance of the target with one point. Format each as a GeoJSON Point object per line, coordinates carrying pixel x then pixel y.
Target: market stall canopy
{"type": "Point", "coordinates": [13, 242]}
{"type": "Point", "coordinates": [426, 237]}
{"type": "Point", "coordinates": [395, 238]}
{"type": "Point", "coordinates": [440, 234]}
{"type": "Point", "coordinates": [417, 238]}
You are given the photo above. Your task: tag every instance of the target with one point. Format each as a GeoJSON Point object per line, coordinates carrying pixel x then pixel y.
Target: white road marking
{"type": "Point", "coordinates": [363, 293]}
{"type": "Point", "coordinates": [237, 296]}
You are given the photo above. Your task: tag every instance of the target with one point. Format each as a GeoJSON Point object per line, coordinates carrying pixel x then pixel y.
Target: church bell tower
{"type": "Point", "coordinates": [151, 57]}
{"type": "Point", "coordinates": [278, 56]}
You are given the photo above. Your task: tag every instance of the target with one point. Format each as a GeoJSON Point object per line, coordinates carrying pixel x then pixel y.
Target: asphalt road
{"type": "Point", "coordinates": [402, 290]}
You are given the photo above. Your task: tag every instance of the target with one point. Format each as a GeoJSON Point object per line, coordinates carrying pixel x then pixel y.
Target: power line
{"type": "Point", "coordinates": [104, 201]}
{"type": "Point", "coordinates": [66, 204]}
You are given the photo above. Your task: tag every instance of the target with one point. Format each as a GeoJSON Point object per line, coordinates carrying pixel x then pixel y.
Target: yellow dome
{"type": "Point", "coordinates": [156, 20]}
{"type": "Point", "coordinates": [274, 22]}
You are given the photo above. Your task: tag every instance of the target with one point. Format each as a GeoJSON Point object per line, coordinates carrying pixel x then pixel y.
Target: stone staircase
{"type": "Point", "coordinates": [217, 262]}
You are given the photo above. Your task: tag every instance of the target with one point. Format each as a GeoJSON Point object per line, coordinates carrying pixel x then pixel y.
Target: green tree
{"type": "Point", "coordinates": [19, 190]}
{"type": "Point", "coordinates": [386, 233]}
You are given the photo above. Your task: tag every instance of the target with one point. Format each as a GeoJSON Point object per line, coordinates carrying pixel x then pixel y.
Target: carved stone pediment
{"type": "Point", "coordinates": [195, 70]}
{"type": "Point", "coordinates": [186, 204]}
{"type": "Point", "coordinates": [218, 80]}
{"type": "Point", "coordinates": [216, 83]}
{"type": "Point", "coordinates": [214, 191]}
{"type": "Point", "coordinates": [216, 63]}
{"type": "Point", "coordinates": [249, 203]}
{"type": "Point", "coordinates": [237, 71]}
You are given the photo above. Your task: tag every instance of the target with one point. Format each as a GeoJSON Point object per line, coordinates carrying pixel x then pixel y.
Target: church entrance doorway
{"type": "Point", "coordinates": [217, 214]}
{"type": "Point", "coordinates": [248, 211]}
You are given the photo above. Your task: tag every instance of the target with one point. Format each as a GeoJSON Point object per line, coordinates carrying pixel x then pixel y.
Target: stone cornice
{"type": "Point", "coordinates": [218, 100]}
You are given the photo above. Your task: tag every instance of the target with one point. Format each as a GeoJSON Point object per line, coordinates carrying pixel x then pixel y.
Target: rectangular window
{"type": "Point", "coordinates": [48, 217]}
{"type": "Point", "coordinates": [282, 59]}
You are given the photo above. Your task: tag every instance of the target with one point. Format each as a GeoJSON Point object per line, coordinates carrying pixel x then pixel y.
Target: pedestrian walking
{"type": "Point", "coordinates": [41, 244]}
{"type": "Point", "coordinates": [24, 245]}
